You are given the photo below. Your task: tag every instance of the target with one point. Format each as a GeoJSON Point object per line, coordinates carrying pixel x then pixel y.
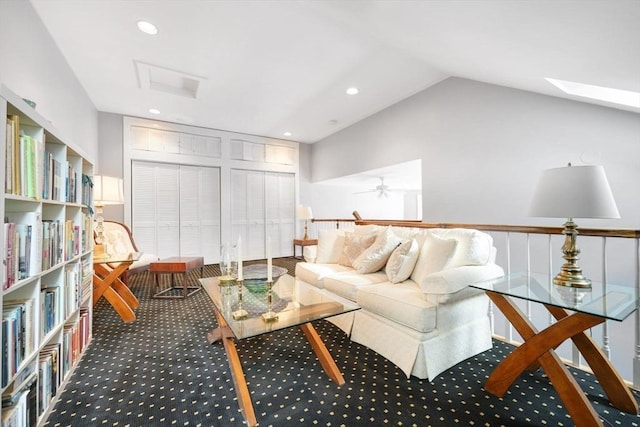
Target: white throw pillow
{"type": "Point", "coordinates": [375, 256]}
{"type": "Point", "coordinates": [354, 245]}
{"type": "Point", "coordinates": [474, 247]}
{"type": "Point", "coordinates": [330, 246]}
{"type": "Point", "coordinates": [435, 254]}
{"type": "Point", "coordinates": [402, 261]}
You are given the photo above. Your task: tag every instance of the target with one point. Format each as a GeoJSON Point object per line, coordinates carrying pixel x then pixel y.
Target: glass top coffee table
{"type": "Point", "coordinates": [575, 311]}
{"type": "Point", "coordinates": [295, 303]}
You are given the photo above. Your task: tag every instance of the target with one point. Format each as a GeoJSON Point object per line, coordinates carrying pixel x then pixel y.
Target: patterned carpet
{"type": "Point", "coordinates": [160, 371]}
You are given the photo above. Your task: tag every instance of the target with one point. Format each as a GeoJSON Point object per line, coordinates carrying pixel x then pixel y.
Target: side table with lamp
{"type": "Point", "coordinates": [304, 213]}
{"type": "Point", "coordinates": [574, 301]}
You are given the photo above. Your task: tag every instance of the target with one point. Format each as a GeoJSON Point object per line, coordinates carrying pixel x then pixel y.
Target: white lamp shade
{"type": "Point", "coordinates": [574, 192]}
{"type": "Point", "coordinates": [304, 212]}
{"type": "Point", "coordinates": [108, 190]}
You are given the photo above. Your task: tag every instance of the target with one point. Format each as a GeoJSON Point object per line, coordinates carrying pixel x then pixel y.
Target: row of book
{"type": "Point", "coordinates": [33, 389]}
{"type": "Point", "coordinates": [33, 245]}
{"type": "Point", "coordinates": [33, 171]}
{"type": "Point", "coordinates": [57, 303]}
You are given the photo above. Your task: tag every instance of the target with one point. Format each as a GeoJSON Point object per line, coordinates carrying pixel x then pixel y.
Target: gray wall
{"type": "Point", "coordinates": [32, 66]}
{"type": "Point", "coordinates": [483, 146]}
{"type": "Point", "coordinates": [110, 136]}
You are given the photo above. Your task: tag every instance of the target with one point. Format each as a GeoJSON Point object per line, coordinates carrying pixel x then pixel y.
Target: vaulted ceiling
{"type": "Point", "coordinates": [269, 67]}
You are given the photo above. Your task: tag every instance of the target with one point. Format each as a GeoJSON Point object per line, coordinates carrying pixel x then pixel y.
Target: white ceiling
{"type": "Point", "coordinates": [266, 67]}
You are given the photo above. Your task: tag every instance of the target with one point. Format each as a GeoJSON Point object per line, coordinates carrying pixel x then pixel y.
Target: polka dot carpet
{"type": "Point", "coordinates": [160, 371]}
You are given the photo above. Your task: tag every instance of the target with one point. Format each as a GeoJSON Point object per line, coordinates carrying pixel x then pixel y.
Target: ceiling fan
{"type": "Point", "coordinates": [382, 189]}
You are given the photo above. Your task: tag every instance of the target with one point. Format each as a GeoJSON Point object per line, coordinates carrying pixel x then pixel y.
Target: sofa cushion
{"type": "Point", "coordinates": [402, 303]}
{"type": "Point", "coordinates": [348, 284]}
{"type": "Point", "coordinates": [439, 285]}
{"type": "Point", "coordinates": [435, 254]}
{"type": "Point", "coordinates": [330, 246]}
{"type": "Point", "coordinates": [474, 247]}
{"type": "Point", "coordinates": [402, 261]}
{"type": "Point", "coordinates": [314, 274]}
{"type": "Point", "coordinates": [354, 245]}
{"type": "Point", "coordinates": [375, 256]}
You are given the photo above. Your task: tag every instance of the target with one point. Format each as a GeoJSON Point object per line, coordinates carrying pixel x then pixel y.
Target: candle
{"type": "Point", "coordinates": [269, 268]}
{"type": "Point", "coordinates": [239, 258]}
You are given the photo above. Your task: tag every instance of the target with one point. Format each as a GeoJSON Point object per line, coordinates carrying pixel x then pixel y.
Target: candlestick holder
{"type": "Point", "coordinates": [270, 315]}
{"type": "Point", "coordinates": [240, 313]}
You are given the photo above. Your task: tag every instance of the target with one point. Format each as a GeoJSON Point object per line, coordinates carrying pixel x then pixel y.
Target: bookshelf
{"type": "Point", "coordinates": [47, 270]}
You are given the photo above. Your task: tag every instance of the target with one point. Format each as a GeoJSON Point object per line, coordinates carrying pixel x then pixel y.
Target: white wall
{"type": "Point", "coordinates": [482, 148]}
{"type": "Point", "coordinates": [32, 66]}
{"type": "Point", "coordinates": [110, 155]}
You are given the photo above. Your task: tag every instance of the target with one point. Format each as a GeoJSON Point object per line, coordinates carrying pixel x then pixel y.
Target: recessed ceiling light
{"type": "Point", "coordinates": [616, 96]}
{"type": "Point", "coordinates": [154, 111]}
{"type": "Point", "coordinates": [147, 27]}
{"type": "Point", "coordinates": [287, 134]}
{"type": "Point", "coordinates": [352, 91]}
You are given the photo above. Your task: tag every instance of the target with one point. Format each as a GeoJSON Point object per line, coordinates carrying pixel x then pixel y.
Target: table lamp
{"type": "Point", "coordinates": [304, 212]}
{"type": "Point", "coordinates": [107, 190]}
{"type": "Point", "coordinates": [573, 192]}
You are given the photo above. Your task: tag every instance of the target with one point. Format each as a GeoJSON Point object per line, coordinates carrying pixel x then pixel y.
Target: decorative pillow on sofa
{"type": "Point", "coordinates": [402, 261]}
{"type": "Point", "coordinates": [375, 256]}
{"type": "Point", "coordinates": [330, 246]}
{"type": "Point", "coordinates": [474, 247]}
{"type": "Point", "coordinates": [354, 245]}
{"type": "Point", "coordinates": [435, 254]}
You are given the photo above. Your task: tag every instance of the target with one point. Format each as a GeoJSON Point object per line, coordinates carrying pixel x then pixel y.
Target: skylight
{"type": "Point", "coordinates": [616, 96]}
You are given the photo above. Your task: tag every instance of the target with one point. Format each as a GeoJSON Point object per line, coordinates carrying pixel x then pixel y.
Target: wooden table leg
{"type": "Point", "coordinates": [327, 362]}
{"type": "Point", "coordinates": [575, 401]}
{"type": "Point", "coordinates": [119, 305]}
{"type": "Point", "coordinates": [612, 383]}
{"type": "Point", "coordinates": [239, 381]}
{"type": "Point", "coordinates": [106, 283]}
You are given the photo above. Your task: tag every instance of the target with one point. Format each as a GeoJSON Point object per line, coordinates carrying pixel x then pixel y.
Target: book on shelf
{"type": "Point", "coordinates": [17, 335]}
{"type": "Point", "coordinates": [50, 307]}
{"type": "Point", "coordinates": [8, 159]}
{"type": "Point", "coordinates": [29, 230]}
{"type": "Point", "coordinates": [10, 272]}
{"type": "Point", "coordinates": [13, 156]}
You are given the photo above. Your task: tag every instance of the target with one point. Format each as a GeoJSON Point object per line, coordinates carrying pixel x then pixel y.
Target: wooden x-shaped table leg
{"type": "Point", "coordinates": [107, 284]}
{"type": "Point", "coordinates": [539, 348]}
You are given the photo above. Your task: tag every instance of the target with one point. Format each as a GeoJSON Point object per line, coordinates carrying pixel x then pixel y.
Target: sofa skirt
{"type": "Point", "coordinates": [426, 355]}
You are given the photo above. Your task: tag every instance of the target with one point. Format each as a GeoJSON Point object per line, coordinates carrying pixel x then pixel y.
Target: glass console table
{"type": "Point", "coordinates": [294, 302]}
{"type": "Point", "coordinates": [575, 310]}
{"type": "Point", "coordinates": [106, 283]}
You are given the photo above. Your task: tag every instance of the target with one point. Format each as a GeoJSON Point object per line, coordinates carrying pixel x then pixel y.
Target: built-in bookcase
{"type": "Point", "coordinates": [47, 270]}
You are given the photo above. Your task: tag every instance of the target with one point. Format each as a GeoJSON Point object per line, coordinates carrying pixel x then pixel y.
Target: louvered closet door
{"type": "Point", "coordinates": [156, 208]}
{"type": "Point", "coordinates": [247, 212]}
{"type": "Point", "coordinates": [200, 212]}
{"type": "Point", "coordinates": [280, 212]}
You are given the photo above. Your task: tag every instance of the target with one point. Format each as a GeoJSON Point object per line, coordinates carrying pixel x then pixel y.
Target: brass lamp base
{"type": "Point", "coordinates": [572, 279]}
{"type": "Point", "coordinates": [570, 273]}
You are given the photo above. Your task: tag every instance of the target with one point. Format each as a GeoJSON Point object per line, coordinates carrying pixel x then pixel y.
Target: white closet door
{"type": "Point", "coordinates": [200, 212]}
{"type": "Point", "coordinates": [210, 223]}
{"type": "Point", "coordinates": [280, 212]}
{"type": "Point", "coordinates": [144, 206]}
{"type": "Point", "coordinates": [190, 239]}
{"type": "Point", "coordinates": [247, 212]}
{"type": "Point", "coordinates": [156, 214]}
{"type": "Point", "coordinates": [168, 210]}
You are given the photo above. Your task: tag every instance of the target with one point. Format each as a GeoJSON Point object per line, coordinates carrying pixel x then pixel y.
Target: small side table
{"type": "Point", "coordinates": [575, 310]}
{"type": "Point", "coordinates": [302, 243]}
{"type": "Point", "coordinates": [173, 265]}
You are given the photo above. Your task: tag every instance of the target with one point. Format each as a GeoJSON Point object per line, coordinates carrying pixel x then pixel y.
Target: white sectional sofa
{"type": "Point", "coordinates": [411, 283]}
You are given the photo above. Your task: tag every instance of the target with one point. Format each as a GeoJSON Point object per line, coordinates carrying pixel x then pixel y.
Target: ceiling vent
{"type": "Point", "coordinates": [153, 77]}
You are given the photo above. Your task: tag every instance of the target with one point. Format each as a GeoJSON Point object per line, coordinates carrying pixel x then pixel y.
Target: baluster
{"type": "Point", "coordinates": [636, 357]}
{"type": "Point", "coordinates": [605, 325]}
{"type": "Point", "coordinates": [508, 333]}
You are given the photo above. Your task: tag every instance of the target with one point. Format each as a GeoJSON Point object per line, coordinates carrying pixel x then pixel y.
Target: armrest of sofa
{"type": "Point", "coordinates": [438, 287]}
